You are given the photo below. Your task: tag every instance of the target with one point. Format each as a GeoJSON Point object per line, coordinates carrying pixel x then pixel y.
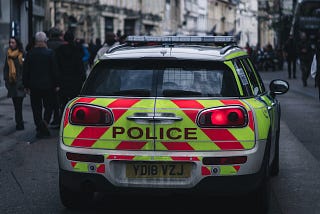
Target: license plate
{"type": "Point", "coordinates": [158, 170]}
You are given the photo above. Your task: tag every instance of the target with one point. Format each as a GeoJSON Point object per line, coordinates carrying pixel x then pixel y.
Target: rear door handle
{"type": "Point", "coordinates": [143, 118]}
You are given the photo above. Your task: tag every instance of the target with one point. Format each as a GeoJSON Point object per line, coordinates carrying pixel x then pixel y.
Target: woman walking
{"type": "Point", "coordinates": [12, 76]}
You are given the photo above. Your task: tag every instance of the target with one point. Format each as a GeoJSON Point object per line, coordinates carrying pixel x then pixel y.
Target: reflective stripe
{"type": "Point", "coordinates": [223, 170]}
{"type": "Point", "coordinates": [236, 55]}
{"type": "Point", "coordinates": [182, 135]}
{"type": "Point", "coordinates": [84, 167]}
{"type": "Point", "coordinates": [80, 166]}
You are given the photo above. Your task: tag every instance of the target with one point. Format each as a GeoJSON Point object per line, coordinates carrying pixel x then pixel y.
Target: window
{"type": "Point", "coordinates": [202, 82]}
{"type": "Point", "coordinates": [243, 77]}
{"type": "Point", "coordinates": [165, 78]}
{"type": "Point", "coordinates": [129, 26]}
{"type": "Point", "coordinates": [108, 25]}
{"type": "Point", "coordinates": [252, 77]}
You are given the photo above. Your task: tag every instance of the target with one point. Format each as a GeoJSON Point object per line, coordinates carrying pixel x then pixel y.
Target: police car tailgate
{"type": "Point", "coordinates": [162, 124]}
{"type": "Point", "coordinates": [162, 138]}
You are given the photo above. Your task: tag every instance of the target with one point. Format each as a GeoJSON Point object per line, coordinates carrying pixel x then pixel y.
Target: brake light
{"type": "Point", "coordinates": [230, 116]}
{"type": "Point", "coordinates": [90, 115]}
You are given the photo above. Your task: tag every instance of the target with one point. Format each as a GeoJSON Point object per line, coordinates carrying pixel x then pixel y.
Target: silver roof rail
{"type": "Point", "coordinates": [226, 40]}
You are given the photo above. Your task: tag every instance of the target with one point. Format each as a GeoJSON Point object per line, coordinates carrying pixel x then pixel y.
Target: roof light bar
{"type": "Point", "coordinates": [183, 39]}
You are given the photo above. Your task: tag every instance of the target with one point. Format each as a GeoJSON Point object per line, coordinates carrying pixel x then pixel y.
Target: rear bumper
{"type": "Point", "coordinates": [109, 176]}
{"type": "Point", "coordinates": [223, 185]}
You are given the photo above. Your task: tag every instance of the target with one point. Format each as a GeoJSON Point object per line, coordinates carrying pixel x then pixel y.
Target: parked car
{"type": "Point", "coordinates": [172, 113]}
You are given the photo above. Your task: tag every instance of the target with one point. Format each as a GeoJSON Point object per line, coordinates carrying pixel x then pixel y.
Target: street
{"type": "Point", "coordinates": [29, 167]}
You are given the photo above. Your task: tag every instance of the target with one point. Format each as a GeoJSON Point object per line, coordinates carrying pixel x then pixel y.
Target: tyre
{"type": "Point", "coordinates": [74, 199]}
{"type": "Point", "coordinates": [274, 169]}
{"type": "Point", "coordinates": [261, 198]}
{"type": "Point", "coordinates": [275, 165]}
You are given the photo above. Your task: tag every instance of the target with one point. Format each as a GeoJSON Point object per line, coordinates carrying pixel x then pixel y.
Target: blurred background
{"type": "Point", "coordinates": [253, 22]}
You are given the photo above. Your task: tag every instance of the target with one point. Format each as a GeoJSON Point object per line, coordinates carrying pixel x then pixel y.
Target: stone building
{"type": "Point", "coordinates": [14, 22]}
{"type": "Point", "coordinates": [247, 22]}
{"type": "Point", "coordinates": [250, 20]}
{"type": "Point", "coordinates": [221, 17]}
{"type": "Point", "coordinates": [91, 19]}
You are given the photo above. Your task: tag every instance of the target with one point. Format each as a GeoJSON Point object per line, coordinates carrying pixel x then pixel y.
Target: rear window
{"type": "Point", "coordinates": [164, 78]}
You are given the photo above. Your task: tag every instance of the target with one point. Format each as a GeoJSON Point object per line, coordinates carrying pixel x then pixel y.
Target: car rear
{"type": "Point", "coordinates": [164, 118]}
{"type": "Point", "coordinates": [151, 125]}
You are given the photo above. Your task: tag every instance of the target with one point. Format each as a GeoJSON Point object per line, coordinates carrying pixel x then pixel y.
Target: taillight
{"type": "Point", "coordinates": [90, 115]}
{"type": "Point", "coordinates": [230, 116]}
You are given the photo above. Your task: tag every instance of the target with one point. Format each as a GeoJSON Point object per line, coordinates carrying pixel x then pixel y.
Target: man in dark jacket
{"type": "Point", "coordinates": [71, 69]}
{"type": "Point", "coordinates": [41, 80]}
{"type": "Point", "coordinates": [305, 55]}
{"type": "Point", "coordinates": [317, 77]}
{"type": "Point", "coordinates": [290, 52]}
{"type": "Point", "coordinates": [55, 40]}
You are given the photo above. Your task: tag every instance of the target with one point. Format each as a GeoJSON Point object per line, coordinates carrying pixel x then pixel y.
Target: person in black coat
{"type": "Point", "coordinates": [305, 54]}
{"type": "Point", "coordinates": [317, 77]}
{"type": "Point", "coordinates": [71, 69]}
{"type": "Point", "coordinates": [290, 52]}
{"type": "Point", "coordinates": [41, 80]}
{"type": "Point", "coordinates": [55, 40]}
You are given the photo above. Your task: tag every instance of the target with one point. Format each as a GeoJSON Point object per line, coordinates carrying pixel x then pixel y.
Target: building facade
{"type": "Point", "coordinates": [250, 20]}
{"type": "Point", "coordinates": [247, 22]}
{"type": "Point", "coordinates": [221, 17]}
{"type": "Point", "coordinates": [14, 22]}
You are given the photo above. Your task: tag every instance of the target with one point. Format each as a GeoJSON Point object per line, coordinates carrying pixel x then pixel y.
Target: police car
{"type": "Point", "coordinates": [171, 113]}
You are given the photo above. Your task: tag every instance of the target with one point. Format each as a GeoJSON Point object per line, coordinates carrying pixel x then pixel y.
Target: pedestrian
{"type": "Point", "coordinates": [55, 40]}
{"type": "Point", "coordinates": [71, 69]}
{"type": "Point", "coordinates": [30, 45]}
{"type": "Point", "coordinates": [317, 76]}
{"type": "Point", "coordinates": [93, 49]}
{"type": "Point", "coordinates": [248, 49]}
{"type": "Point", "coordinates": [305, 55]}
{"type": "Point", "coordinates": [290, 54]}
{"type": "Point", "coordinates": [86, 54]}
{"type": "Point", "coordinates": [110, 41]}
{"type": "Point", "coordinates": [41, 80]}
{"type": "Point", "coordinates": [122, 39]}
{"type": "Point", "coordinates": [12, 75]}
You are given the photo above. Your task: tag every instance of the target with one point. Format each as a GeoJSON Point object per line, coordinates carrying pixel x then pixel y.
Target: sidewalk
{"type": "Point", "coordinates": [8, 134]}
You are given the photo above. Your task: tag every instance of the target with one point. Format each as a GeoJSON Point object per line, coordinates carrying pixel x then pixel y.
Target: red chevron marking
{"type": "Point", "coordinates": [66, 118]}
{"type": "Point", "coordinates": [179, 146]}
{"type": "Point", "coordinates": [205, 171]}
{"type": "Point", "coordinates": [129, 145]}
{"type": "Point", "coordinates": [89, 136]}
{"type": "Point", "coordinates": [85, 100]}
{"type": "Point", "coordinates": [120, 157]}
{"type": "Point", "coordinates": [121, 103]}
{"type": "Point", "coordinates": [237, 167]}
{"type": "Point", "coordinates": [179, 158]}
{"type": "Point", "coordinates": [223, 135]}
{"type": "Point", "coordinates": [101, 169]}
